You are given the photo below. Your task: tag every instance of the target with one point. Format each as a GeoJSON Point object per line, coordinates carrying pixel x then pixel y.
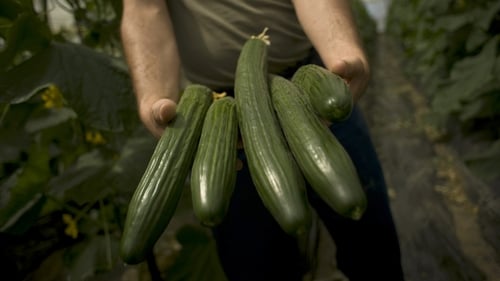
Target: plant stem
{"type": "Point", "coordinates": [154, 271]}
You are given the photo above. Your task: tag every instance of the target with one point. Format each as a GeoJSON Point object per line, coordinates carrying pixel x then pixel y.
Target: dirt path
{"type": "Point", "coordinates": [435, 211]}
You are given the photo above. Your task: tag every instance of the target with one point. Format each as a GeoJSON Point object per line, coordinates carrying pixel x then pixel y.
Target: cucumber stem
{"type": "Point", "coordinates": [263, 36]}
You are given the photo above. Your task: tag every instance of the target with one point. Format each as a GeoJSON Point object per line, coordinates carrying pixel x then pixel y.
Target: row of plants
{"type": "Point", "coordinates": [452, 52]}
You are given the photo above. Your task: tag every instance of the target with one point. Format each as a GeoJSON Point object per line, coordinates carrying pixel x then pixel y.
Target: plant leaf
{"type": "Point", "coordinates": [134, 157]}
{"type": "Point", "coordinates": [467, 77]}
{"type": "Point", "coordinates": [96, 86]}
{"type": "Point", "coordinates": [87, 258]}
{"type": "Point", "coordinates": [23, 189]}
{"type": "Point", "coordinates": [84, 181]}
{"type": "Point", "coordinates": [198, 259]}
{"type": "Point", "coordinates": [47, 118]}
{"type": "Point", "coordinates": [485, 163]}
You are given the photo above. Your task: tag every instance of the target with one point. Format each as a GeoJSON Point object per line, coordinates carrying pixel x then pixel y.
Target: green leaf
{"type": "Point", "coordinates": [28, 217]}
{"type": "Point", "coordinates": [467, 77]}
{"type": "Point", "coordinates": [472, 110]}
{"type": "Point", "coordinates": [453, 22]}
{"type": "Point", "coordinates": [485, 163]}
{"type": "Point", "coordinates": [96, 86]}
{"type": "Point", "coordinates": [486, 15]}
{"type": "Point", "coordinates": [198, 258]}
{"type": "Point", "coordinates": [28, 33]}
{"type": "Point", "coordinates": [21, 192]}
{"type": "Point", "coordinates": [12, 143]}
{"type": "Point", "coordinates": [134, 157]}
{"type": "Point", "coordinates": [448, 99]}
{"type": "Point", "coordinates": [10, 9]}
{"type": "Point", "coordinates": [83, 182]}
{"type": "Point", "coordinates": [47, 118]}
{"type": "Point", "coordinates": [479, 68]}
{"type": "Point", "coordinates": [86, 259]}
{"type": "Point", "coordinates": [476, 39]}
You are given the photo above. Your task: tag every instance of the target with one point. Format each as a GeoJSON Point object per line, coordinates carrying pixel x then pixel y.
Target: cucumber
{"type": "Point", "coordinates": [213, 174]}
{"type": "Point", "coordinates": [328, 93]}
{"type": "Point", "coordinates": [276, 176]}
{"type": "Point", "coordinates": [322, 159]}
{"type": "Point", "coordinates": [159, 190]}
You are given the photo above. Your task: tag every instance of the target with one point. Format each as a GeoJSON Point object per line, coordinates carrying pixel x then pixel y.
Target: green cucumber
{"type": "Point", "coordinates": [160, 188]}
{"type": "Point", "coordinates": [213, 174]}
{"type": "Point", "coordinates": [276, 176]}
{"type": "Point", "coordinates": [323, 160]}
{"type": "Point", "coordinates": [328, 93]}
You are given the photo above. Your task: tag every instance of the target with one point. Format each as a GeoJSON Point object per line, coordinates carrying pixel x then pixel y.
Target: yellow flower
{"type": "Point", "coordinates": [52, 97]}
{"type": "Point", "coordinates": [94, 137]}
{"type": "Point", "coordinates": [71, 227]}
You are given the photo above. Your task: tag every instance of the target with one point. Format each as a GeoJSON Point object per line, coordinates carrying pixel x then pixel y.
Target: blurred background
{"type": "Point", "coordinates": [72, 149]}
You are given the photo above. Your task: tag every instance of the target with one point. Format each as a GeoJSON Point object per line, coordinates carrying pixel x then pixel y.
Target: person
{"type": "Point", "coordinates": [165, 41]}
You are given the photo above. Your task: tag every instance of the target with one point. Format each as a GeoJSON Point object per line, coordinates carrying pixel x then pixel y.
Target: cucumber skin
{"type": "Point", "coordinates": [160, 188]}
{"type": "Point", "coordinates": [323, 160]}
{"type": "Point", "coordinates": [275, 174]}
{"type": "Point", "coordinates": [213, 175]}
{"type": "Point", "coordinates": [328, 93]}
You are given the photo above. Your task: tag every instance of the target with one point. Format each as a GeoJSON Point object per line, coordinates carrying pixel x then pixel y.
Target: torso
{"type": "Point", "coordinates": [210, 35]}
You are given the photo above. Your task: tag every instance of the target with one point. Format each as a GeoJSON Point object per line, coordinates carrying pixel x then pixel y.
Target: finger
{"type": "Point", "coordinates": [163, 111]}
{"type": "Point", "coordinates": [343, 69]}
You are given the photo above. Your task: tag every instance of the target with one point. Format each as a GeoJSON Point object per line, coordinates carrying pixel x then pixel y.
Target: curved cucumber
{"type": "Point", "coordinates": [323, 160]}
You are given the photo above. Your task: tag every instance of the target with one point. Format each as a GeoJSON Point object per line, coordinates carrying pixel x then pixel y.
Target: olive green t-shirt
{"type": "Point", "coordinates": [211, 33]}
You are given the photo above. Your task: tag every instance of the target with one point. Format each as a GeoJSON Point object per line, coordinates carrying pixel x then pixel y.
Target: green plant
{"type": "Point", "coordinates": [71, 145]}
{"type": "Point", "coordinates": [453, 53]}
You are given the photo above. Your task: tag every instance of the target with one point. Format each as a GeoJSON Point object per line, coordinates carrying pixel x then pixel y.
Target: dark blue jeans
{"type": "Point", "coordinates": [252, 246]}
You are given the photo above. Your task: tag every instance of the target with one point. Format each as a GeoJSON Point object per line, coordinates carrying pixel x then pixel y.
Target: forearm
{"type": "Point", "coordinates": [330, 26]}
{"type": "Point", "coordinates": [150, 49]}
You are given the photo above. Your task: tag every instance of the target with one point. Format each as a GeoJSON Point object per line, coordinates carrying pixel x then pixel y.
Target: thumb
{"type": "Point", "coordinates": [355, 73]}
{"type": "Point", "coordinates": [343, 69]}
{"type": "Point", "coordinates": [163, 111]}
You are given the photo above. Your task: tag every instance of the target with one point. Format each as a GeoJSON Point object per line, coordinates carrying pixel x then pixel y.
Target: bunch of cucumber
{"type": "Point", "coordinates": [286, 144]}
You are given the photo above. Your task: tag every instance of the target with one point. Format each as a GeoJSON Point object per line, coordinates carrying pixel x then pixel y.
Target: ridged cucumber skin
{"type": "Point", "coordinates": [213, 174]}
{"type": "Point", "coordinates": [160, 188]}
{"type": "Point", "coordinates": [275, 174]}
{"type": "Point", "coordinates": [323, 160]}
{"type": "Point", "coordinates": [328, 93]}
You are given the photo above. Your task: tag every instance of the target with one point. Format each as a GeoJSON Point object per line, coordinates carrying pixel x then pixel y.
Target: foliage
{"type": "Point", "coordinates": [452, 48]}
{"type": "Point", "coordinates": [198, 257]}
{"type": "Point", "coordinates": [70, 139]}
{"type": "Point", "coordinates": [366, 25]}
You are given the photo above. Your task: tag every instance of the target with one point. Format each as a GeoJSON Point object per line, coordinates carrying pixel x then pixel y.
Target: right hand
{"type": "Point", "coordinates": [155, 114]}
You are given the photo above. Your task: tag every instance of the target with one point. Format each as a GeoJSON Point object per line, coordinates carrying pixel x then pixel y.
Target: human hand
{"type": "Point", "coordinates": [155, 114]}
{"type": "Point", "coordinates": [355, 71]}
